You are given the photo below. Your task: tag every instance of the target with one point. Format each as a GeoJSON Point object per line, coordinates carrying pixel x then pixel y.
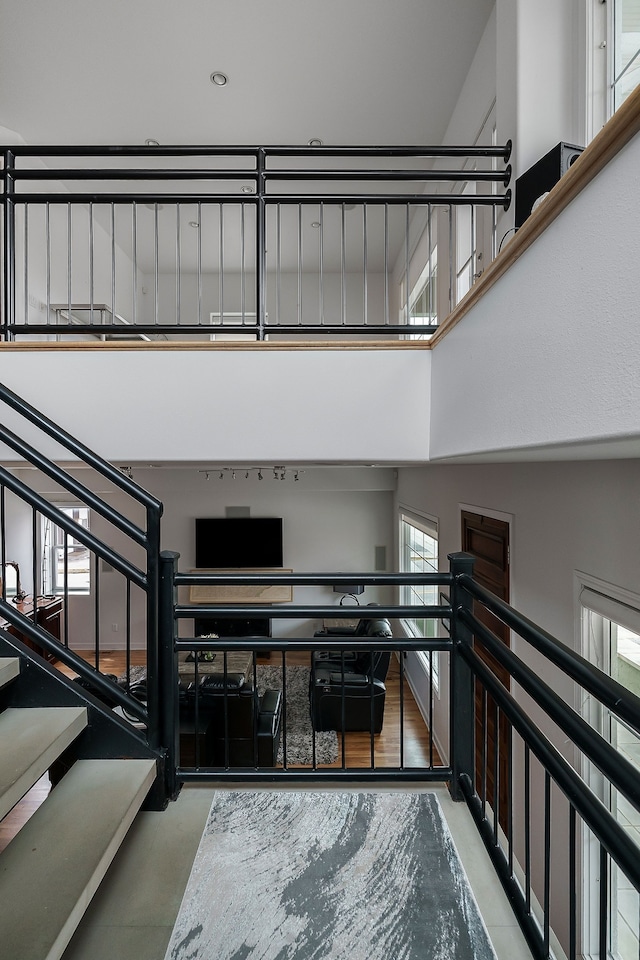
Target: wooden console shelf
{"type": "Point", "coordinates": [237, 593]}
{"type": "Point", "coordinates": [48, 616]}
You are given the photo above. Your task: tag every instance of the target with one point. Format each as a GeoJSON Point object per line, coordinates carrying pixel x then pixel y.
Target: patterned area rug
{"type": "Point", "coordinates": [299, 740]}
{"type": "Point", "coordinates": [287, 875]}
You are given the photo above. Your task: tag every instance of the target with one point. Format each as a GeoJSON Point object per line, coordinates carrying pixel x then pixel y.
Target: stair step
{"type": "Point", "coordinates": [32, 738]}
{"type": "Point", "coordinates": [51, 869]}
{"type": "Point", "coordinates": [9, 669]}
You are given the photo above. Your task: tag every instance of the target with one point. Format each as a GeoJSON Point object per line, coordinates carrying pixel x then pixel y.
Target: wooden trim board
{"type": "Point", "coordinates": [242, 593]}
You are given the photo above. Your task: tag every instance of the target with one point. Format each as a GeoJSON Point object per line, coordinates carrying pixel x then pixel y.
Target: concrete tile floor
{"type": "Point", "coordinates": [132, 915]}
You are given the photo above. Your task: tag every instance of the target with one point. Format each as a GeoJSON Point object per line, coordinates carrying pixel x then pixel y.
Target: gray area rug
{"type": "Point", "coordinates": [299, 739]}
{"type": "Point", "coordinates": [288, 875]}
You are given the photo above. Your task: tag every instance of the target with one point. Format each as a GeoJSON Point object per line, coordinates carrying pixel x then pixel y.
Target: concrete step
{"type": "Point", "coordinates": [9, 669]}
{"type": "Point", "coordinates": [51, 869]}
{"type": "Point", "coordinates": [32, 738]}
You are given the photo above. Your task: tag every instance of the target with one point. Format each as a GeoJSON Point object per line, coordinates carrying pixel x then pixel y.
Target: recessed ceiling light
{"type": "Point", "coordinates": [220, 79]}
{"type": "Point", "coordinates": [315, 223]}
{"type": "Point", "coordinates": [247, 189]}
{"type": "Point", "coordinates": [193, 223]}
{"type": "Point", "coordinates": [152, 143]}
{"type": "Point", "coordinates": [315, 142]}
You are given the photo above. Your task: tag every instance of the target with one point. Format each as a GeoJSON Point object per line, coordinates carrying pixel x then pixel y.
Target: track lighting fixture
{"type": "Point", "coordinates": [279, 472]}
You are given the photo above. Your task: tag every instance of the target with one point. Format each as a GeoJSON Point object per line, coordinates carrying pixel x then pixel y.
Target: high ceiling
{"type": "Point", "coordinates": [344, 71]}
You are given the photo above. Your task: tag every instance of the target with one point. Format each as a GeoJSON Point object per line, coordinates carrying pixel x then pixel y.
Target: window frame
{"type": "Point", "coordinates": [52, 550]}
{"type": "Point", "coordinates": [427, 525]}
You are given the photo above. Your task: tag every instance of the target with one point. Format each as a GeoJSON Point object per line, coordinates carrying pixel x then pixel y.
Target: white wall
{"type": "Point", "coordinates": [550, 355]}
{"type": "Point", "coordinates": [274, 406]}
{"type": "Point", "coordinates": [564, 517]}
{"type": "Point", "coordinates": [333, 521]}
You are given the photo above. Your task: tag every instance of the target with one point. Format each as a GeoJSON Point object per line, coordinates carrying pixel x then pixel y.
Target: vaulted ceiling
{"type": "Point", "coordinates": [344, 71]}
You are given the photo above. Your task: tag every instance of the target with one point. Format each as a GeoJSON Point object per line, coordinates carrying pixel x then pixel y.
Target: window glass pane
{"type": "Point", "coordinates": [65, 560]}
{"type": "Point", "coordinates": [626, 67]}
{"type": "Point", "coordinates": [419, 554]}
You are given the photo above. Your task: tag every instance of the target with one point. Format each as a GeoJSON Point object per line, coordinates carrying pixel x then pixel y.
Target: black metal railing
{"type": "Point", "coordinates": [531, 790]}
{"type": "Point", "coordinates": [39, 589]}
{"type": "Point", "coordinates": [210, 242]}
{"type": "Point", "coordinates": [333, 677]}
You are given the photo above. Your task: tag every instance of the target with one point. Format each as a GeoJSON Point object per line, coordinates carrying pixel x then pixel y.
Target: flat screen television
{"type": "Point", "coordinates": [238, 542]}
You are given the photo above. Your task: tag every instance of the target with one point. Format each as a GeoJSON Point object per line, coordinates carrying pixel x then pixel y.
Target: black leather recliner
{"type": "Point", "coordinates": [241, 728]}
{"type": "Point", "coordinates": [347, 691]}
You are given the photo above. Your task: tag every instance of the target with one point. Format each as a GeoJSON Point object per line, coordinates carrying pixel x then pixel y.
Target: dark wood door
{"type": "Point", "coordinates": [488, 541]}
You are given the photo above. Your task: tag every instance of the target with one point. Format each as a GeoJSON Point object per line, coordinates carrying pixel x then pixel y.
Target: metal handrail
{"type": "Point", "coordinates": [612, 694]}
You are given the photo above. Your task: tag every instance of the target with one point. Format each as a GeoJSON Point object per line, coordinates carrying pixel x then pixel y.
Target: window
{"type": "Point", "coordinates": [611, 640]}
{"type": "Point", "coordinates": [419, 554]}
{"type": "Point", "coordinates": [626, 49]}
{"type": "Point", "coordinates": [65, 560]}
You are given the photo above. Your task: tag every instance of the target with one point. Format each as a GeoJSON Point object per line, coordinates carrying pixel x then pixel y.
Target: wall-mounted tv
{"type": "Point", "coordinates": [238, 542]}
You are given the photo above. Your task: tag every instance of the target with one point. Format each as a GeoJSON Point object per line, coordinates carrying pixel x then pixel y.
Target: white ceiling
{"type": "Point", "coordinates": [347, 71]}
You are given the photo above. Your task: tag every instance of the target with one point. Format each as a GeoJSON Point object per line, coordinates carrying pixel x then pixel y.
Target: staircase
{"type": "Point", "coordinates": [51, 869]}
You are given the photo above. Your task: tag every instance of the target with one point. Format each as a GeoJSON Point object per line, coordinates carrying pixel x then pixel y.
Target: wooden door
{"type": "Point", "coordinates": [488, 541]}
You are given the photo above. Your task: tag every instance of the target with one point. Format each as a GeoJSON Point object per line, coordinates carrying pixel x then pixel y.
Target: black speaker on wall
{"type": "Point", "coordinates": [542, 176]}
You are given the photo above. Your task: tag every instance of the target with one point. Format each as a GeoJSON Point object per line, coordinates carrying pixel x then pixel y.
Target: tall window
{"type": "Point", "coordinates": [611, 639]}
{"type": "Point", "coordinates": [64, 558]}
{"type": "Point", "coordinates": [419, 554]}
{"type": "Point", "coordinates": [626, 49]}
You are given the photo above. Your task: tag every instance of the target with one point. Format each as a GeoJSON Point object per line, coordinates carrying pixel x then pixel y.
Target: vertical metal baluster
{"type": "Point", "coordinates": [69, 260]}
{"type": "Point", "coordinates": [343, 712]}
{"type": "Point", "coordinates": [407, 291]}
{"type": "Point", "coordinates": [256, 758]}
{"type": "Point", "coordinates": [573, 891]}
{"type": "Point", "coordinates": [96, 611]}
{"type": "Point", "coordinates": [34, 564]}
{"type": "Point", "coordinates": [343, 266]}
{"type": "Point", "coordinates": [510, 797]}
{"type": "Point", "coordinates": [496, 770]}
{"type": "Point", "coordinates": [372, 744]}
{"type": "Point", "coordinates": [321, 278]}
{"type": "Point", "coordinates": [134, 246]}
{"type": "Point", "coordinates": [65, 584]}
{"type": "Point", "coordinates": [430, 244]}
{"type": "Point", "coordinates": [199, 241]}
{"type": "Point", "coordinates": [113, 263]}
{"type": "Point", "coordinates": [485, 736]}
{"type": "Point", "coordinates": [474, 263]}
{"type": "Point", "coordinates": [242, 265]}
{"type": "Point", "coordinates": [196, 712]}
{"type": "Point", "coordinates": [221, 265]}
{"type": "Point", "coordinates": [604, 904]}
{"type": "Point", "coordinates": [284, 712]}
{"type": "Point", "coordinates": [547, 860]}
{"type": "Point", "coordinates": [225, 698]}
{"type": "Point", "coordinates": [128, 630]}
{"type": "Point", "coordinates": [402, 709]}
{"type": "Point", "coordinates": [431, 709]}
{"type": "Point", "coordinates": [92, 263]}
{"type": "Point", "coordinates": [279, 262]}
{"type": "Point", "coordinates": [527, 828]}
{"type": "Point", "coordinates": [451, 260]}
{"type": "Point", "coordinates": [299, 263]}
{"type": "Point", "coordinates": [178, 265]}
{"type": "Point", "coordinates": [26, 263]}
{"type": "Point", "coordinates": [47, 230]}
{"type": "Point", "coordinates": [65, 595]}
{"type": "Point", "coordinates": [365, 264]}
{"type": "Point", "coordinates": [156, 271]}
{"type": "Point", "coordinates": [386, 264]}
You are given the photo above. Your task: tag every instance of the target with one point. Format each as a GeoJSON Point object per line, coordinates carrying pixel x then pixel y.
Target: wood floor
{"type": "Point", "coordinates": [386, 748]}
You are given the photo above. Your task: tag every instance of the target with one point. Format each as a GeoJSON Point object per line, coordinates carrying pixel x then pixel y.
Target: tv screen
{"type": "Point", "coordinates": [238, 542]}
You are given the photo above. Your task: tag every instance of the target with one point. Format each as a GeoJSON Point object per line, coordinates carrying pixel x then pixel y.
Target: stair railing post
{"type": "Point", "coordinates": [169, 712]}
{"type": "Point", "coordinates": [9, 244]}
{"type": "Point", "coordinates": [461, 693]}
